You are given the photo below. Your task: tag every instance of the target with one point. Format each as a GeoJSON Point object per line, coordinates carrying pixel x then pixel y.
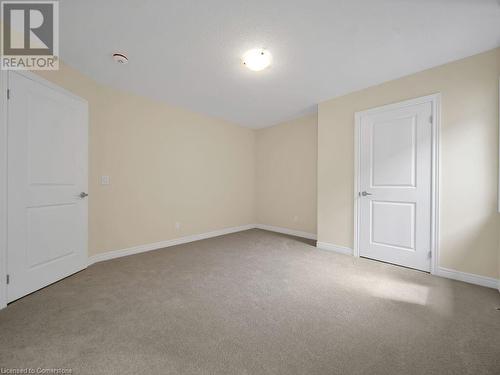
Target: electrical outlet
{"type": "Point", "coordinates": [104, 180]}
{"type": "Point", "coordinates": [177, 226]}
{"type": "Point", "coordinates": [295, 218]}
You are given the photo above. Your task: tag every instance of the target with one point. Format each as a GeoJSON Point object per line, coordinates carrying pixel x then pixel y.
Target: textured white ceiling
{"type": "Point", "coordinates": [187, 53]}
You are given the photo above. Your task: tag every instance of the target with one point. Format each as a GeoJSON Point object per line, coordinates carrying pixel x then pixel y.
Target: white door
{"type": "Point", "coordinates": [47, 171]}
{"type": "Point", "coordinates": [395, 177]}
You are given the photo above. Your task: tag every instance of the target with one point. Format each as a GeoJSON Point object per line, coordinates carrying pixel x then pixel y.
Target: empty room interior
{"type": "Point", "coordinates": [235, 187]}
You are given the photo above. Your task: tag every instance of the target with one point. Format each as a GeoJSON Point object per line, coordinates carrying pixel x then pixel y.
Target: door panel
{"type": "Point", "coordinates": [393, 160]}
{"type": "Point", "coordinates": [395, 173]}
{"type": "Point", "coordinates": [52, 233]}
{"type": "Point", "coordinates": [393, 224]}
{"type": "Point", "coordinates": [47, 170]}
{"type": "Point", "coordinates": [51, 159]}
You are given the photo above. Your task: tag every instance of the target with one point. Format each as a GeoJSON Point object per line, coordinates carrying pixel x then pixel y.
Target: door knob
{"type": "Point", "coordinates": [83, 195]}
{"type": "Point", "coordinates": [364, 193]}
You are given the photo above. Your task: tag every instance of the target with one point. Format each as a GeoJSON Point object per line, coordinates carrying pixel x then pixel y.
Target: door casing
{"type": "Point", "coordinates": [3, 188]}
{"type": "Point", "coordinates": [435, 100]}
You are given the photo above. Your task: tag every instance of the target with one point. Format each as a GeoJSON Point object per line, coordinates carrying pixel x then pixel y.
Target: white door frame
{"type": "Point", "coordinates": [435, 101]}
{"type": "Point", "coordinates": [4, 77]}
{"type": "Point", "coordinates": [3, 188]}
{"type": "Point", "coordinates": [498, 196]}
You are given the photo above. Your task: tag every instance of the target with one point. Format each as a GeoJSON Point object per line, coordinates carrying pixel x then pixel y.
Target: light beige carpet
{"type": "Point", "coordinates": [253, 302]}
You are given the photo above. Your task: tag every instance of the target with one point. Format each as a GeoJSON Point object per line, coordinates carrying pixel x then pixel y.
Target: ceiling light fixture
{"type": "Point", "coordinates": [120, 58]}
{"type": "Point", "coordinates": [257, 59]}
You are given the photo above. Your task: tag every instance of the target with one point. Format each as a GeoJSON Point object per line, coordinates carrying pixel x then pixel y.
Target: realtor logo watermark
{"type": "Point", "coordinates": [30, 35]}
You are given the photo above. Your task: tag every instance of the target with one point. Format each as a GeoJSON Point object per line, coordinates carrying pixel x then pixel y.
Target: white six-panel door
{"type": "Point", "coordinates": [47, 172]}
{"type": "Point", "coordinates": [395, 185]}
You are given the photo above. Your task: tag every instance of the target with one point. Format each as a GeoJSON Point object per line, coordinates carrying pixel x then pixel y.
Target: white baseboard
{"type": "Point", "coordinates": [470, 278]}
{"type": "Point", "coordinates": [331, 247]}
{"type": "Point", "coordinates": [292, 232]}
{"type": "Point", "coordinates": [196, 237]}
{"type": "Point", "coordinates": [160, 245]}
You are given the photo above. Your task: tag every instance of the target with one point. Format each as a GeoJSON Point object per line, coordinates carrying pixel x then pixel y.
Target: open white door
{"type": "Point", "coordinates": [395, 173]}
{"type": "Point", "coordinates": [47, 172]}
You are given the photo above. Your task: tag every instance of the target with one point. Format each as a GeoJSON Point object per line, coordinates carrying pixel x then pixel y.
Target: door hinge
{"type": "Point", "coordinates": [8, 94]}
{"type": "Point", "coordinates": [429, 255]}
{"type": "Point", "coordinates": [8, 279]}
{"type": "Point", "coordinates": [431, 118]}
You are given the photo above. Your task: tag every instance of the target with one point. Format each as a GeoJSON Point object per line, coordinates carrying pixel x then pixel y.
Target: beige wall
{"type": "Point", "coordinates": [166, 165]}
{"type": "Point", "coordinates": [286, 158]}
{"type": "Point", "coordinates": [469, 225]}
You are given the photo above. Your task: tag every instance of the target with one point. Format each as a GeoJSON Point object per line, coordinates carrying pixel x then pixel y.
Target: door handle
{"type": "Point", "coordinates": [364, 193]}
{"type": "Point", "coordinates": [83, 195]}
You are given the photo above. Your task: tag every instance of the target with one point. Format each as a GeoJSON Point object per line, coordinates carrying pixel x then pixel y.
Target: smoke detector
{"type": "Point", "coordinates": [120, 58]}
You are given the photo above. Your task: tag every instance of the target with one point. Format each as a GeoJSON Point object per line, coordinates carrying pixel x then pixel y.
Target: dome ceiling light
{"type": "Point", "coordinates": [257, 59]}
